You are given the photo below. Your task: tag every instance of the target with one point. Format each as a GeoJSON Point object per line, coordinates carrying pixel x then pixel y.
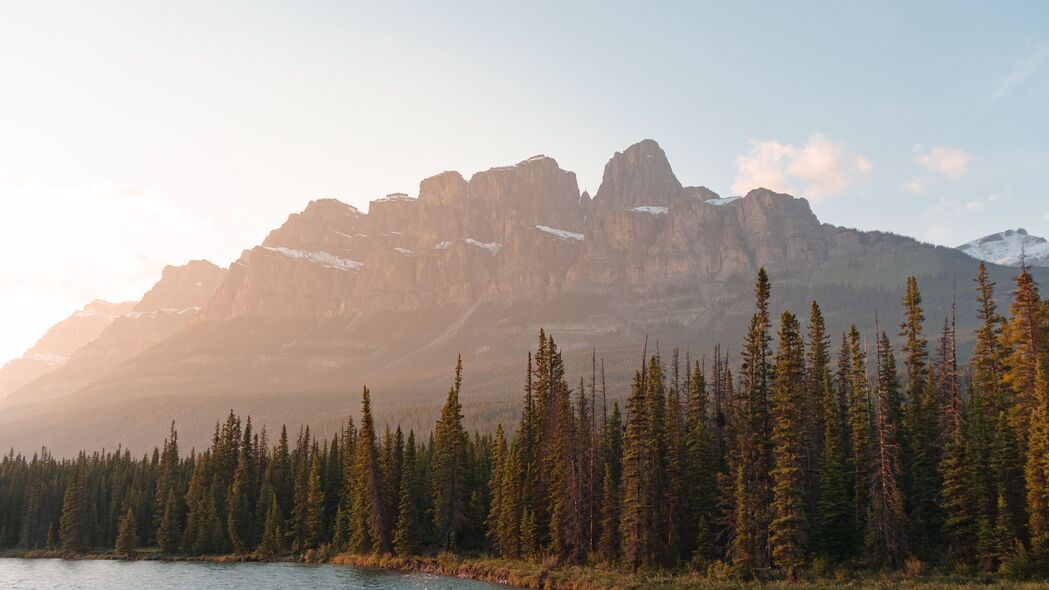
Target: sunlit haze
{"type": "Point", "coordinates": [134, 135]}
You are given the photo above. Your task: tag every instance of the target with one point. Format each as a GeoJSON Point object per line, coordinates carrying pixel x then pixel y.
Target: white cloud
{"type": "Point", "coordinates": [915, 186]}
{"type": "Point", "coordinates": [820, 168]}
{"type": "Point", "coordinates": [949, 161]}
{"type": "Point", "coordinates": [974, 205]}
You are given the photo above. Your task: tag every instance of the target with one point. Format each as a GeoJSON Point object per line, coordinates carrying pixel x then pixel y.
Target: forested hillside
{"type": "Point", "coordinates": [816, 448]}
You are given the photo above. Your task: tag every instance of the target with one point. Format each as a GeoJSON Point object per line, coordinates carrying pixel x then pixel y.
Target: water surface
{"type": "Point", "coordinates": [59, 574]}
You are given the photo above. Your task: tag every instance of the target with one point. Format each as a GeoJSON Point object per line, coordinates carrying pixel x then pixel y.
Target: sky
{"type": "Point", "coordinates": [134, 134]}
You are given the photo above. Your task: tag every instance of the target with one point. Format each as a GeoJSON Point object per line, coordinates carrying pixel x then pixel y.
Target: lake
{"type": "Point", "coordinates": [58, 574]}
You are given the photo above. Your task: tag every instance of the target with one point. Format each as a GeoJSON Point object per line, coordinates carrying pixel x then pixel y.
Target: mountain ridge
{"type": "Point", "coordinates": [336, 298]}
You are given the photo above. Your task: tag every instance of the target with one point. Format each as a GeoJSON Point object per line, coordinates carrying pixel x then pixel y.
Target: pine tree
{"type": "Point", "coordinates": [74, 529]}
{"type": "Point", "coordinates": [749, 549]}
{"type": "Point", "coordinates": [367, 522]}
{"type": "Point", "coordinates": [1037, 469]}
{"type": "Point", "coordinates": [127, 535]}
{"type": "Point", "coordinates": [920, 443]}
{"type": "Point", "coordinates": [635, 508]}
{"type": "Point", "coordinates": [859, 423]}
{"type": "Point", "coordinates": [450, 468]}
{"type": "Point", "coordinates": [834, 520]}
{"type": "Point", "coordinates": [239, 520]}
{"type": "Point", "coordinates": [788, 527]}
{"type": "Point", "coordinates": [406, 535]}
{"type": "Point", "coordinates": [1022, 332]}
{"type": "Point", "coordinates": [814, 407]}
{"type": "Point", "coordinates": [495, 484]}
{"type": "Point", "coordinates": [314, 526]}
{"type": "Point", "coordinates": [700, 466]}
{"type": "Point", "coordinates": [886, 536]}
{"type": "Point", "coordinates": [674, 480]}
{"type": "Point", "coordinates": [608, 543]}
{"type": "Point", "coordinates": [924, 502]}
{"type": "Point", "coordinates": [168, 534]}
{"type": "Point", "coordinates": [272, 541]}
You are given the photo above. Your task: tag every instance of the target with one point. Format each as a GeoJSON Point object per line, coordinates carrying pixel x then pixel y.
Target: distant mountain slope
{"type": "Point", "coordinates": [54, 348]}
{"type": "Point", "coordinates": [171, 305]}
{"type": "Point", "coordinates": [1008, 247]}
{"type": "Point", "coordinates": [336, 298]}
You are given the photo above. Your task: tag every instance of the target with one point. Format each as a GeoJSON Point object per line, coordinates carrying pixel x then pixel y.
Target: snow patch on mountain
{"type": "Point", "coordinates": [1008, 247]}
{"type": "Point", "coordinates": [321, 258]}
{"type": "Point", "coordinates": [493, 247]}
{"type": "Point", "coordinates": [651, 209]}
{"type": "Point", "coordinates": [561, 233]}
{"type": "Point", "coordinates": [722, 201]}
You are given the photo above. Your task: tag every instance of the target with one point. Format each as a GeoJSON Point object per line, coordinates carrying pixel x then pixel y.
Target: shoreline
{"type": "Point", "coordinates": [537, 575]}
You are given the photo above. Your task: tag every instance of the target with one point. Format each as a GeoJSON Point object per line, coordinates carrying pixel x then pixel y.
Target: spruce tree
{"type": "Point", "coordinates": [74, 529]}
{"type": "Point", "coordinates": [314, 526]}
{"type": "Point", "coordinates": [886, 534]}
{"type": "Point", "coordinates": [367, 522]}
{"type": "Point", "coordinates": [749, 549]}
{"type": "Point", "coordinates": [634, 524]}
{"type": "Point", "coordinates": [239, 520]}
{"type": "Point", "coordinates": [700, 466]}
{"type": "Point", "coordinates": [814, 407]}
{"type": "Point", "coordinates": [450, 469]}
{"type": "Point", "coordinates": [788, 527]}
{"type": "Point", "coordinates": [608, 543]}
{"type": "Point", "coordinates": [127, 535]}
{"type": "Point", "coordinates": [272, 541]}
{"type": "Point", "coordinates": [168, 534]}
{"type": "Point", "coordinates": [859, 423]}
{"type": "Point", "coordinates": [406, 535]}
{"type": "Point", "coordinates": [1022, 333]}
{"type": "Point", "coordinates": [1037, 469]}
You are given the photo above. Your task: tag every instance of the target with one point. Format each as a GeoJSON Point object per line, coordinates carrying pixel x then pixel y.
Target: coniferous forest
{"type": "Point", "coordinates": [876, 450]}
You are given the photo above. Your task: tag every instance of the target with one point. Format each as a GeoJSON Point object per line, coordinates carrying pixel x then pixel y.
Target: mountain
{"type": "Point", "coordinates": [171, 305]}
{"type": "Point", "coordinates": [54, 348]}
{"type": "Point", "coordinates": [337, 298]}
{"type": "Point", "coordinates": [1008, 247]}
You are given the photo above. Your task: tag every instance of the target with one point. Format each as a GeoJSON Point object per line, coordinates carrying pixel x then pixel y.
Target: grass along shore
{"type": "Point", "coordinates": [548, 576]}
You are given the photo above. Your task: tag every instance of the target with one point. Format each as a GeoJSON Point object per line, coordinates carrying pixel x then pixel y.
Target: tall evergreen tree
{"type": "Point", "coordinates": [449, 468]}
{"type": "Point", "coordinates": [788, 529]}
{"type": "Point", "coordinates": [859, 422]}
{"type": "Point", "coordinates": [74, 530]}
{"type": "Point", "coordinates": [1037, 469]}
{"type": "Point", "coordinates": [635, 508]}
{"type": "Point", "coordinates": [169, 532]}
{"type": "Point", "coordinates": [272, 542]}
{"type": "Point", "coordinates": [749, 549]}
{"type": "Point", "coordinates": [886, 534]}
{"type": "Point", "coordinates": [406, 535]}
{"type": "Point", "coordinates": [127, 535]}
{"type": "Point", "coordinates": [367, 522]}
{"type": "Point", "coordinates": [1021, 332]}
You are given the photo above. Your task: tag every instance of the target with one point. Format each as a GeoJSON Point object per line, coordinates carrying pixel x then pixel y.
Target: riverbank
{"type": "Point", "coordinates": [539, 575]}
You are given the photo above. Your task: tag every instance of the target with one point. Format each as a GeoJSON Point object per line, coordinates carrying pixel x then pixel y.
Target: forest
{"type": "Point", "coordinates": [878, 451]}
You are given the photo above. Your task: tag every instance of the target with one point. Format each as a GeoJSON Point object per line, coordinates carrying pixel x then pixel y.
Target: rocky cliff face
{"type": "Point", "coordinates": [59, 343]}
{"type": "Point", "coordinates": [336, 297]}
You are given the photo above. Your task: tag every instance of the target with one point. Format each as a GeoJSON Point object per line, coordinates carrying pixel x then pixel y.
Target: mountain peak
{"type": "Point", "coordinates": [638, 176]}
{"type": "Point", "coordinates": [1009, 247]}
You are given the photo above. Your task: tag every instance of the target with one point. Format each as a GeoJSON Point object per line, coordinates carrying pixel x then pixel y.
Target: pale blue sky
{"type": "Point", "coordinates": [137, 134]}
